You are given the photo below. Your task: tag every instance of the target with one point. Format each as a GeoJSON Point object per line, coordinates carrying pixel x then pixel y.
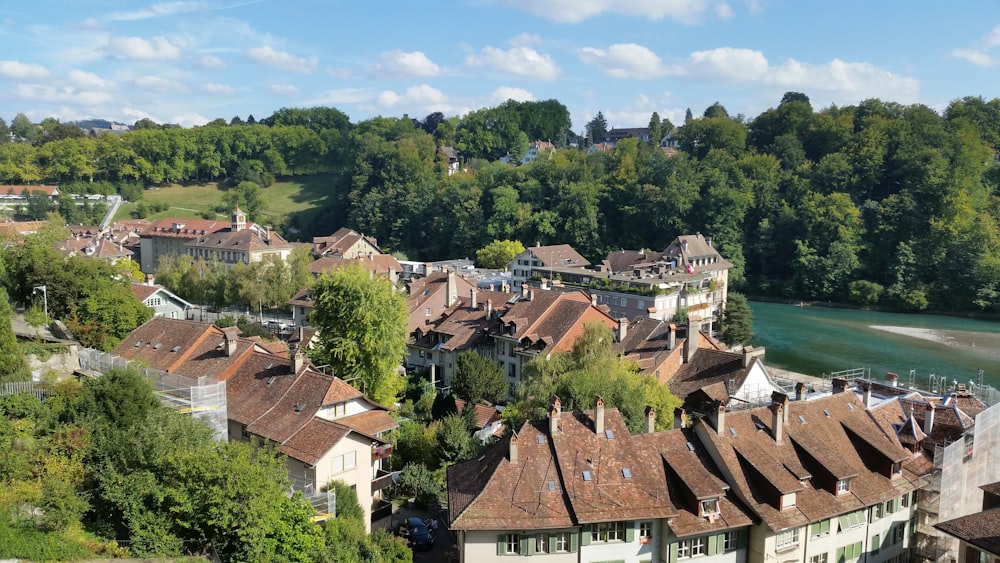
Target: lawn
{"type": "Point", "coordinates": [299, 196]}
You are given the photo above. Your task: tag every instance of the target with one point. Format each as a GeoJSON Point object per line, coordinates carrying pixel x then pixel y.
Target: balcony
{"type": "Point", "coordinates": [382, 480]}
{"type": "Point", "coordinates": [381, 509]}
{"type": "Point", "coordinates": [381, 452]}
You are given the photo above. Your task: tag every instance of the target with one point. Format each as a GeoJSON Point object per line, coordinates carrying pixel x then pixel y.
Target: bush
{"type": "Point", "coordinates": [417, 481]}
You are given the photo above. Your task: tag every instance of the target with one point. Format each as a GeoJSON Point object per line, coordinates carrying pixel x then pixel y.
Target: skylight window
{"type": "Point", "coordinates": [626, 473]}
{"type": "Point", "coordinates": [552, 486]}
{"type": "Point", "coordinates": [802, 419]}
{"type": "Point", "coordinates": [271, 379]}
{"type": "Point", "coordinates": [156, 346]}
{"type": "Point", "coordinates": [850, 406]}
{"type": "Point", "coordinates": [138, 344]}
{"type": "Point", "coordinates": [176, 349]}
{"type": "Point", "coordinates": [826, 412]}
{"type": "Point", "coordinates": [541, 439]}
{"type": "Point", "coordinates": [732, 430]}
{"type": "Point", "coordinates": [587, 476]}
{"type": "Point", "coordinates": [609, 434]}
{"type": "Point", "coordinates": [299, 407]}
{"type": "Point", "coordinates": [690, 446]}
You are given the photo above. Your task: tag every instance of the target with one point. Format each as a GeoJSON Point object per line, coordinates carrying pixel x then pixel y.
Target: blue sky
{"type": "Point", "coordinates": [189, 62]}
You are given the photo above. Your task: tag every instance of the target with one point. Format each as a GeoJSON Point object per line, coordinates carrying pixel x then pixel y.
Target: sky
{"type": "Point", "coordinates": [189, 62]}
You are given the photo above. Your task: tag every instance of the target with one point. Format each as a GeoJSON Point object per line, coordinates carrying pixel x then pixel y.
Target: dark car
{"type": "Point", "coordinates": [416, 533]}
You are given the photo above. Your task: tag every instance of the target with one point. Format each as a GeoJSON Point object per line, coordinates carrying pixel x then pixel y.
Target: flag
{"type": "Point", "coordinates": [690, 268]}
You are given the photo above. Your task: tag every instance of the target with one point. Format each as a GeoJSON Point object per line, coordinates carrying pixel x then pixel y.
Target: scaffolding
{"type": "Point", "coordinates": [203, 398]}
{"type": "Point", "coordinates": [322, 499]}
{"type": "Point", "coordinates": [952, 488]}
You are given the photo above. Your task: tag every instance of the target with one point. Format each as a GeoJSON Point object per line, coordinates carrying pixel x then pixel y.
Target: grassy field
{"type": "Point", "coordinates": [297, 197]}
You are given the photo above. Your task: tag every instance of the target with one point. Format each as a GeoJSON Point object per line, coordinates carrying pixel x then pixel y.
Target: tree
{"type": "Point", "coordinates": [13, 366]}
{"type": "Point", "coordinates": [737, 320]}
{"type": "Point", "coordinates": [248, 196]}
{"type": "Point", "coordinates": [418, 481]}
{"type": "Point", "coordinates": [478, 379]}
{"type": "Point", "coordinates": [597, 128]}
{"type": "Point", "coordinates": [498, 253]}
{"type": "Point", "coordinates": [362, 325]}
{"type": "Point", "coordinates": [120, 397]}
{"type": "Point", "coordinates": [454, 440]}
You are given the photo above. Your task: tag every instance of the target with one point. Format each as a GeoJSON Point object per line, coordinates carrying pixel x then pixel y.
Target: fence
{"type": "Point", "coordinates": [23, 387]}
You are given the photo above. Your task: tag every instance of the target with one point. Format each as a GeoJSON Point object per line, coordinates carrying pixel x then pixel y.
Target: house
{"type": "Point", "coordinates": [600, 147]}
{"type": "Point", "coordinates": [167, 236]}
{"type": "Point", "coordinates": [541, 260]}
{"type": "Point", "coordinates": [978, 533]}
{"type": "Point", "coordinates": [17, 196]}
{"type": "Point", "coordinates": [430, 297]}
{"type": "Point", "coordinates": [580, 487]}
{"type": "Point", "coordinates": [345, 243]}
{"type": "Point", "coordinates": [536, 150]}
{"type": "Point", "coordinates": [617, 134]}
{"type": "Point", "coordinates": [161, 300]}
{"type": "Point", "coordinates": [242, 242]}
{"type": "Point", "coordinates": [709, 376]}
{"type": "Point", "coordinates": [671, 140]}
{"type": "Point", "coordinates": [326, 428]}
{"type": "Point", "coordinates": [378, 264]}
{"type": "Point", "coordinates": [96, 246]}
{"type": "Point", "coordinates": [451, 158]}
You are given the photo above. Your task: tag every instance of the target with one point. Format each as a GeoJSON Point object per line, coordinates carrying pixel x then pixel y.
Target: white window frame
{"type": "Point", "coordinates": [843, 486]}
{"type": "Point", "coordinates": [350, 460]}
{"type": "Point", "coordinates": [542, 543]}
{"type": "Point", "coordinates": [698, 545]}
{"type": "Point", "coordinates": [562, 542]}
{"type": "Point", "coordinates": [683, 549]}
{"type": "Point", "coordinates": [786, 539]}
{"type": "Point", "coordinates": [645, 532]}
{"type": "Point", "coordinates": [512, 544]}
{"type": "Point", "coordinates": [731, 541]}
{"type": "Point", "coordinates": [710, 506]}
{"type": "Point", "coordinates": [821, 558]}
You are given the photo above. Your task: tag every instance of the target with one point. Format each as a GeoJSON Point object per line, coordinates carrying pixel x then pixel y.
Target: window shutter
{"type": "Point", "coordinates": [672, 558]}
{"type": "Point", "coordinates": [840, 555]}
{"type": "Point", "coordinates": [844, 524]}
{"type": "Point", "coordinates": [552, 542]}
{"type": "Point", "coordinates": [502, 544]}
{"type": "Point", "coordinates": [574, 540]}
{"type": "Point", "coordinates": [585, 536]}
{"type": "Point", "coordinates": [713, 546]}
{"type": "Point", "coordinates": [741, 539]}
{"type": "Point", "coordinates": [527, 544]}
{"type": "Point", "coordinates": [630, 532]}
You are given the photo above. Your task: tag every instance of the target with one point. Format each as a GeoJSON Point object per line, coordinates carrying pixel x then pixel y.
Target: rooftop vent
{"type": "Point", "coordinates": [481, 458]}
{"type": "Point", "coordinates": [690, 446]}
{"type": "Point", "coordinates": [802, 419]}
{"type": "Point", "coordinates": [609, 434]}
{"type": "Point", "coordinates": [826, 412]}
{"type": "Point", "coordinates": [732, 430]}
{"type": "Point", "coordinates": [156, 346]}
{"type": "Point", "coordinates": [541, 439]}
{"type": "Point", "coordinates": [626, 473]}
{"type": "Point", "coordinates": [268, 366]}
{"type": "Point", "coordinates": [138, 343]}
{"type": "Point", "coordinates": [271, 379]}
{"type": "Point", "coordinates": [758, 424]}
{"type": "Point", "coordinates": [552, 486]}
{"type": "Point", "coordinates": [176, 349]}
{"type": "Point", "coordinates": [587, 476]}
{"type": "Point", "coordinates": [299, 407]}
{"type": "Point", "coordinates": [850, 406]}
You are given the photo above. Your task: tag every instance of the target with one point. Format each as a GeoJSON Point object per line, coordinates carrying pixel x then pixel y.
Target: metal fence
{"type": "Point", "coordinates": [23, 387]}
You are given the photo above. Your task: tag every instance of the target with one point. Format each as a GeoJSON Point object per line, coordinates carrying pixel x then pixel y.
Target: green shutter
{"type": "Point", "coordinates": [672, 557]}
{"type": "Point", "coordinates": [630, 532]}
{"type": "Point", "coordinates": [712, 546]}
{"type": "Point", "coordinates": [741, 539]}
{"type": "Point", "coordinates": [876, 543]}
{"type": "Point", "coordinates": [574, 542]}
{"type": "Point", "coordinates": [840, 555]}
{"type": "Point", "coordinates": [844, 524]}
{"type": "Point", "coordinates": [585, 535]}
{"type": "Point", "coordinates": [502, 544]}
{"type": "Point", "coordinates": [527, 546]}
{"type": "Point", "coordinates": [552, 542]}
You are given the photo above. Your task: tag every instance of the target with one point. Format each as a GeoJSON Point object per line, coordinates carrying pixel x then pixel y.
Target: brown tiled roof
{"type": "Point", "coordinates": [981, 530]}
{"type": "Point", "coordinates": [967, 403]}
{"type": "Point", "coordinates": [707, 367]}
{"type": "Point", "coordinates": [431, 291]}
{"type": "Point", "coordinates": [378, 263]}
{"type": "Point", "coordinates": [22, 189]}
{"type": "Point", "coordinates": [248, 239]}
{"type": "Point", "coordinates": [370, 423]}
{"type": "Point", "coordinates": [553, 318]}
{"type": "Point", "coordinates": [311, 442]}
{"type": "Point", "coordinates": [340, 391]}
{"type": "Point", "coordinates": [143, 291]}
{"type": "Point", "coordinates": [184, 228]}
{"type": "Point", "coordinates": [558, 255]}
{"type": "Point", "coordinates": [696, 248]}
{"type": "Point", "coordinates": [96, 247]}
{"type": "Point", "coordinates": [164, 344]}
{"type": "Point", "coordinates": [340, 242]}
{"type": "Point", "coordinates": [485, 414]}
{"type": "Point", "coordinates": [492, 493]}
{"type": "Point", "coordinates": [991, 488]}
{"type": "Point", "coordinates": [834, 429]}
{"type": "Point", "coordinates": [257, 386]}
{"type": "Point", "coordinates": [622, 260]}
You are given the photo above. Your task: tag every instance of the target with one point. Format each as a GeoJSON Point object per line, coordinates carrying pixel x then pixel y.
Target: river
{"type": "Point", "coordinates": [817, 340]}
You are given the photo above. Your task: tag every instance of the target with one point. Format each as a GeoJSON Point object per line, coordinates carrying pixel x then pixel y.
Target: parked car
{"type": "Point", "coordinates": [416, 533]}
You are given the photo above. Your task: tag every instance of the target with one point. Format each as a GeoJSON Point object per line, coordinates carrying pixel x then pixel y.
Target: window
{"type": "Point", "coordinates": [607, 531]}
{"type": "Point", "coordinates": [821, 558]}
{"type": "Point", "coordinates": [683, 549]}
{"type": "Point", "coordinates": [787, 539]}
{"type": "Point", "coordinates": [709, 507]}
{"type": "Point", "coordinates": [645, 532]}
{"type": "Point", "coordinates": [820, 529]}
{"type": "Point", "coordinates": [850, 552]}
{"type": "Point", "coordinates": [350, 460]}
{"type": "Point", "coordinates": [843, 486]}
{"type": "Point", "coordinates": [876, 543]}
{"type": "Point", "coordinates": [541, 543]}
{"type": "Point", "coordinates": [731, 541]}
{"type": "Point", "coordinates": [852, 520]}
{"type": "Point", "coordinates": [698, 546]}
{"type": "Point", "coordinates": [513, 544]}
{"type": "Point", "coordinates": [244, 432]}
{"type": "Point", "coordinates": [905, 500]}
{"type": "Point", "coordinates": [337, 464]}
{"type": "Point", "coordinates": [879, 511]}
{"type": "Point", "coordinates": [899, 533]}
{"type": "Point", "coordinates": [427, 312]}
{"type": "Point", "coordinates": [562, 542]}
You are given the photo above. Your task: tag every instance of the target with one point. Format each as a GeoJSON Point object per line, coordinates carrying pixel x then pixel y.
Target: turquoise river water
{"type": "Point", "coordinates": [817, 340]}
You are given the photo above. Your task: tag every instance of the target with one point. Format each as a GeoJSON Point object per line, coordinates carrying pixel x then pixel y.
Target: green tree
{"type": "Point", "coordinates": [454, 441]}
{"type": "Point", "coordinates": [248, 196]}
{"type": "Point", "coordinates": [13, 366]}
{"type": "Point", "coordinates": [362, 325]}
{"type": "Point", "coordinates": [498, 253]}
{"type": "Point", "coordinates": [417, 481]}
{"type": "Point", "coordinates": [478, 379]}
{"type": "Point", "coordinates": [120, 397]}
{"type": "Point", "coordinates": [597, 128]}
{"type": "Point", "coordinates": [737, 320]}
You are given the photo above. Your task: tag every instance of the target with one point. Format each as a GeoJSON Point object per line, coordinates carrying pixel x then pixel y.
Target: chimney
{"type": "Point", "coordinates": [672, 337]}
{"type": "Point", "coordinates": [489, 309]}
{"type": "Point", "coordinates": [554, 415]}
{"type": "Point", "coordinates": [778, 398]}
{"type": "Point", "coordinates": [720, 418]}
{"type": "Point", "coordinates": [531, 294]}
{"type": "Point", "coordinates": [433, 376]}
{"type": "Point", "coordinates": [929, 419]}
{"type": "Point", "coordinates": [149, 279]}
{"type": "Point", "coordinates": [868, 394]}
{"type": "Point", "coordinates": [747, 356]}
{"type": "Point", "coordinates": [691, 346]}
{"type": "Point", "coordinates": [599, 416]}
{"type": "Point", "coordinates": [298, 359]}
{"type": "Point", "coordinates": [593, 300]}
{"type": "Point", "coordinates": [622, 329]}
{"type": "Point", "coordinates": [650, 420]}
{"type": "Point", "coordinates": [524, 290]}
{"type": "Point", "coordinates": [680, 418]}
{"type": "Point", "coordinates": [800, 391]}
{"type": "Point", "coordinates": [892, 378]}
{"type": "Point", "coordinates": [230, 339]}
{"type": "Point", "coordinates": [513, 448]}
{"type": "Point", "coordinates": [708, 241]}
{"type": "Point", "coordinates": [777, 422]}
{"type": "Point", "coordinates": [474, 299]}
{"type": "Point", "coordinates": [452, 289]}
{"type": "Point", "coordinates": [839, 385]}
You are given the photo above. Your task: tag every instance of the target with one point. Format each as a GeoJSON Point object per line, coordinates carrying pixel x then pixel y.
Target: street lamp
{"type": "Point", "coordinates": [45, 298]}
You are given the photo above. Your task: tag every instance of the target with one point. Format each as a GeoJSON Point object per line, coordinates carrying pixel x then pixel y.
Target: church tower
{"type": "Point", "coordinates": [238, 220]}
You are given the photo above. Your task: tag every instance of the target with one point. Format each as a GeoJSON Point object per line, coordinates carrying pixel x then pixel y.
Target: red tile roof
{"type": "Point", "coordinates": [558, 255]}
{"type": "Point", "coordinates": [981, 530]}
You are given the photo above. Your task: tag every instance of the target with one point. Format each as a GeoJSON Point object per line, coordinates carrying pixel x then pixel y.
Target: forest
{"type": "Point", "coordinates": [875, 204]}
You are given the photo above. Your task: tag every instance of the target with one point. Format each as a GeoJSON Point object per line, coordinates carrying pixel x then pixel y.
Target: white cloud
{"type": "Point", "coordinates": [189, 119]}
{"type": "Point", "coordinates": [283, 60]}
{"type": "Point", "coordinates": [756, 7]}
{"type": "Point", "coordinates": [728, 63]}
{"type": "Point", "coordinates": [65, 95]}
{"type": "Point", "coordinates": [520, 61]}
{"type": "Point", "coordinates": [504, 93]}
{"type": "Point", "coordinates": [155, 49]}
{"type": "Point", "coordinates": [723, 11]}
{"type": "Point", "coordinates": [343, 96]}
{"type": "Point", "coordinates": [574, 11]}
{"type": "Point", "coordinates": [156, 11]}
{"type": "Point", "coordinates": [88, 80]}
{"type": "Point", "coordinates": [399, 63]}
{"type": "Point", "coordinates": [210, 62]}
{"type": "Point", "coordinates": [214, 88]}
{"type": "Point", "coordinates": [284, 89]}
{"type": "Point", "coordinates": [847, 80]}
{"type": "Point", "coordinates": [625, 60]}
{"type": "Point", "coordinates": [17, 69]}
{"type": "Point", "coordinates": [975, 57]}
{"type": "Point", "coordinates": [420, 96]}
{"type": "Point", "coordinates": [338, 72]}
{"type": "Point", "coordinates": [525, 39]}
{"type": "Point", "coordinates": [156, 84]}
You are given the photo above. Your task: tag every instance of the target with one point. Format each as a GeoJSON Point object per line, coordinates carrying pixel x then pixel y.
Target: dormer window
{"type": "Point", "coordinates": [897, 469]}
{"type": "Point", "coordinates": [843, 486]}
{"type": "Point", "coordinates": [709, 507]}
{"type": "Point", "coordinates": [787, 501]}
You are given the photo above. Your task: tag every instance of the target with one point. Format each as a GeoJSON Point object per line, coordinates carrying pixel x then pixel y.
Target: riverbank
{"type": "Point", "coordinates": [990, 317]}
